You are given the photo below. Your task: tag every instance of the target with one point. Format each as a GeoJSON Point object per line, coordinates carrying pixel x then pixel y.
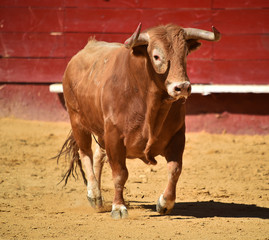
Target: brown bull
{"type": "Point", "coordinates": [132, 97]}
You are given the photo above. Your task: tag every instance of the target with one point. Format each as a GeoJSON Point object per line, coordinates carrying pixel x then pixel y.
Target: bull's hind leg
{"type": "Point", "coordinates": [84, 141]}
{"type": "Point", "coordinates": [93, 190]}
{"type": "Point", "coordinates": [98, 163]}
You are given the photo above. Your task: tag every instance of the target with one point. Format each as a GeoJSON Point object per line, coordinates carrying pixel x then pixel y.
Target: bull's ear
{"type": "Point", "coordinates": [193, 45]}
{"type": "Point", "coordinates": [137, 38]}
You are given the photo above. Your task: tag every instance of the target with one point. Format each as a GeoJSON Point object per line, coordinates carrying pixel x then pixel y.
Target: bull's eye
{"type": "Point", "coordinates": [157, 58]}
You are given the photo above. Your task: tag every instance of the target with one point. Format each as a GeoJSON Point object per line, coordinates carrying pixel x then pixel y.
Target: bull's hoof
{"type": "Point", "coordinates": [119, 212]}
{"type": "Point", "coordinates": [96, 202]}
{"type": "Point", "coordinates": [162, 210]}
{"type": "Point", "coordinates": [164, 207]}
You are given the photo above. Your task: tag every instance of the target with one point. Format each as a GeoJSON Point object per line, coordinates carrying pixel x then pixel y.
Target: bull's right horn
{"type": "Point", "coordinates": [137, 38]}
{"type": "Point", "coordinates": [194, 33]}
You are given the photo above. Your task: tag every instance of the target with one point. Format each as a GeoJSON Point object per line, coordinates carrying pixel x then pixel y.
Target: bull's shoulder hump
{"type": "Point", "coordinates": [92, 52]}
{"type": "Point", "coordinates": [93, 44]}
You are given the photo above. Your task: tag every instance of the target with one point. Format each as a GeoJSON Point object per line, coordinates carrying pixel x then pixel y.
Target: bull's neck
{"type": "Point", "coordinates": [148, 84]}
{"type": "Point", "coordinates": [156, 113]}
{"type": "Point", "coordinates": [157, 109]}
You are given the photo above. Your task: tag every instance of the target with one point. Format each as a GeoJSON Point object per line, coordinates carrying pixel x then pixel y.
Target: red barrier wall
{"type": "Point", "coordinates": [38, 37]}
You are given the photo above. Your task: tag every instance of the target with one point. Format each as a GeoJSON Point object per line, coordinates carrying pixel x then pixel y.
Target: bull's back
{"type": "Point", "coordinates": [92, 58]}
{"type": "Point", "coordinates": [87, 66]}
{"type": "Point", "coordinates": [84, 77]}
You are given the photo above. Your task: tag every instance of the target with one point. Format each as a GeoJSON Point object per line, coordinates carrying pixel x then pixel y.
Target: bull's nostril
{"type": "Point", "coordinates": [189, 89]}
{"type": "Point", "coordinates": [177, 89]}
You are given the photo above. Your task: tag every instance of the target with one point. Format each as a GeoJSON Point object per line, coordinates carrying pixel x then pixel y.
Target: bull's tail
{"type": "Point", "coordinates": [70, 151]}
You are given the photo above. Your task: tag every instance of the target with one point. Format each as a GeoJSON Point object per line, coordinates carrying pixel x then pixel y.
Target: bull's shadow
{"type": "Point", "coordinates": [214, 209]}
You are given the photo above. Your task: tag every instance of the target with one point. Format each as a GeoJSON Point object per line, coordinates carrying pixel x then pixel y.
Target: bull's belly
{"type": "Point", "coordinates": [136, 149]}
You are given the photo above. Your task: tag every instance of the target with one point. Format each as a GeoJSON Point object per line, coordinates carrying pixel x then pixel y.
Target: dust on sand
{"type": "Point", "coordinates": [222, 192]}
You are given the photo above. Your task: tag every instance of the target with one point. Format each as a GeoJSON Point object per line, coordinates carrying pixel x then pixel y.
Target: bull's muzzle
{"type": "Point", "coordinates": [179, 89]}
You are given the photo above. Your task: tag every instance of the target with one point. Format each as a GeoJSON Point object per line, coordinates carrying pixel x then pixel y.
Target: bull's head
{"type": "Point", "coordinates": [168, 47]}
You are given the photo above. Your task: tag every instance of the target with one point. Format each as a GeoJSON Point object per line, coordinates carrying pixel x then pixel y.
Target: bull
{"type": "Point", "coordinates": [132, 97]}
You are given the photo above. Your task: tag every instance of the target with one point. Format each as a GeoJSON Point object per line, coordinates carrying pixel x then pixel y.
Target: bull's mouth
{"type": "Point", "coordinates": [182, 98]}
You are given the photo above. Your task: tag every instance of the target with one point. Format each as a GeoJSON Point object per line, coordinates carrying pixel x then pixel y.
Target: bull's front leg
{"type": "Point", "coordinates": [173, 155]}
{"type": "Point", "coordinates": [116, 154]}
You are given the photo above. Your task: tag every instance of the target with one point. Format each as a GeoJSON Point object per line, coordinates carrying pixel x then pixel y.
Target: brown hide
{"type": "Point", "coordinates": [132, 97]}
{"type": "Point", "coordinates": [108, 84]}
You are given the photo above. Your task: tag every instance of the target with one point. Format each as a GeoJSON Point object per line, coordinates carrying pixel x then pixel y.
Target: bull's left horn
{"type": "Point", "coordinates": [194, 33]}
{"type": "Point", "coordinates": [137, 38]}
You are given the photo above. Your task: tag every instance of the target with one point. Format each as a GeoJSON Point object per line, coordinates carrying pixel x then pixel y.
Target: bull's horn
{"type": "Point", "coordinates": [137, 38]}
{"type": "Point", "coordinates": [194, 33]}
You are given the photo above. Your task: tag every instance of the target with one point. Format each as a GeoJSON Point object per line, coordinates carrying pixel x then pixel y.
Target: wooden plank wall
{"type": "Point", "coordinates": [38, 37]}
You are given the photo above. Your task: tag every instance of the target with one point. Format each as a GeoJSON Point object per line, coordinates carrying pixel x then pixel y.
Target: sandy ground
{"type": "Point", "coordinates": [222, 192]}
